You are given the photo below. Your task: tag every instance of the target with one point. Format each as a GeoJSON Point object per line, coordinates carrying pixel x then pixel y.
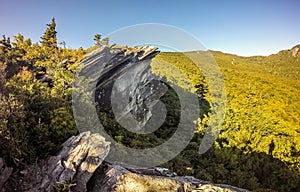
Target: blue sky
{"type": "Point", "coordinates": [256, 27]}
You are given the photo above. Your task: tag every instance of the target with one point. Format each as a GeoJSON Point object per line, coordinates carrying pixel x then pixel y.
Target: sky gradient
{"type": "Point", "coordinates": [256, 27]}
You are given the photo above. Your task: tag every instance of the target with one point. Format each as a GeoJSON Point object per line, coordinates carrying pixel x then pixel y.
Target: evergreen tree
{"type": "Point", "coordinates": [97, 39]}
{"type": "Point", "coordinates": [49, 37]}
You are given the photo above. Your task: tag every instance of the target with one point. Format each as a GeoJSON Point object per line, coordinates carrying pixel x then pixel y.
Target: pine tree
{"type": "Point", "coordinates": [49, 37]}
{"type": "Point", "coordinates": [97, 39]}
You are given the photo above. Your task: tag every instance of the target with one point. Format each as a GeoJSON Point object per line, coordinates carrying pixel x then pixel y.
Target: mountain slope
{"type": "Point", "coordinates": [259, 145]}
{"type": "Point", "coordinates": [264, 92]}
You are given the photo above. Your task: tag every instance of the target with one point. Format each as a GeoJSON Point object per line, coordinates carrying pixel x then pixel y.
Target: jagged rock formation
{"type": "Point", "coordinates": [125, 74]}
{"type": "Point", "coordinates": [81, 160]}
{"type": "Point", "coordinates": [133, 89]}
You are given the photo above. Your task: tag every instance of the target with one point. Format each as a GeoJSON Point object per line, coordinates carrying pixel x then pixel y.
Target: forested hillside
{"type": "Point", "coordinates": [263, 111]}
{"type": "Point", "coordinates": [259, 144]}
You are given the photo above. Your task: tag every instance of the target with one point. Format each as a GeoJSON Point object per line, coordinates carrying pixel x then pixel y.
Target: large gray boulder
{"type": "Point", "coordinates": [77, 161]}
{"type": "Point", "coordinates": [119, 178]}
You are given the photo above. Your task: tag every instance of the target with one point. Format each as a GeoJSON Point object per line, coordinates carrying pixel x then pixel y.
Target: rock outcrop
{"type": "Point", "coordinates": [77, 161]}
{"type": "Point", "coordinates": [118, 178]}
{"type": "Point", "coordinates": [295, 50]}
{"type": "Point", "coordinates": [79, 166]}
{"type": "Point", "coordinates": [119, 74]}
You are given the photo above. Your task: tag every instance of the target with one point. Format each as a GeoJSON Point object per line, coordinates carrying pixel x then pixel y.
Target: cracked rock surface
{"type": "Point", "coordinates": [118, 178]}
{"type": "Point", "coordinates": [78, 159]}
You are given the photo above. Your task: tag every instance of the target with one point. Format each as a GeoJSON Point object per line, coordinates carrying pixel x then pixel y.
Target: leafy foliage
{"type": "Point", "coordinates": [35, 99]}
{"type": "Point", "coordinates": [65, 187]}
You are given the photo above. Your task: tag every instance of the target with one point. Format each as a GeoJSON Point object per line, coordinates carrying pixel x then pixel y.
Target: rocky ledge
{"type": "Point", "coordinates": [80, 166]}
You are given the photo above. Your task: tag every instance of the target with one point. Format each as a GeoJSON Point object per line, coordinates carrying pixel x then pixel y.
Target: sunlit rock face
{"type": "Point", "coordinates": [77, 160]}
{"type": "Point", "coordinates": [126, 87]}
{"type": "Point", "coordinates": [114, 177]}
{"type": "Point", "coordinates": [295, 50]}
